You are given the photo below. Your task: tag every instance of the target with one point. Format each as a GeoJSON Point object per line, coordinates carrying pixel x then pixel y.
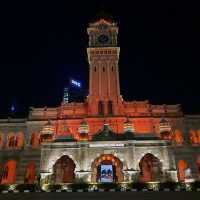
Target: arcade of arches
{"type": "Point", "coordinates": [150, 168]}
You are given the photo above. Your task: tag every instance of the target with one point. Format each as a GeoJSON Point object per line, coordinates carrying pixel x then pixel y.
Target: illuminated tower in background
{"type": "Point", "coordinates": [103, 56]}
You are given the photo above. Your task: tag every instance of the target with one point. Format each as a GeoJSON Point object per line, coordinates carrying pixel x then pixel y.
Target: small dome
{"type": "Point", "coordinates": [47, 132]}
{"type": "Point", "coordinates": [128, 126]}
{"type": "Point", "coordinates": [164, 125]}
{"type": "Point", "coordinates": [84, 128]}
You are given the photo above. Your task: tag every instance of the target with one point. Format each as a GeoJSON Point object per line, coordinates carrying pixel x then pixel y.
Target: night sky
{"type": "Point", "coordinates": [44, 43]}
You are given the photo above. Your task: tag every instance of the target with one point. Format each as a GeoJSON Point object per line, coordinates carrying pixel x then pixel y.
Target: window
{"type": "Point", "coordinates": [100, 108]}
{"type": "Point", "coordinates": [110, 109]}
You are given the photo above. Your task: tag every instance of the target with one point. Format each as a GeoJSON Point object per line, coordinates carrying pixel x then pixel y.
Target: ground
{"type": "Point", "coordinates": [103, 196]}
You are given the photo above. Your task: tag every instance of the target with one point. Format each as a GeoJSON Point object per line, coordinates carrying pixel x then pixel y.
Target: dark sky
{"type": "Point", "coordinates": [43, 43]}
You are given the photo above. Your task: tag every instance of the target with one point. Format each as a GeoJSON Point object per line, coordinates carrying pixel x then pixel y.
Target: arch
{"type": "Point", "coordinates": [19, 140]}
{"type": "Point", "coordinates": [193, 137]}
{"type": "Point", "coordinates": [30, 173]}
{"type": "Point", "coordinates": [107, 159]}
{"type": "Point", "coordinates": [63, 170]}
{"type": "Point", "coordinates": [100, 108]}
{"type": "Point", "coordinates": [110, 108]}
{"type": "Point", "coordinates": [9, 172]}
{"type": "Point", "coordinates": [11, 140]}
{"type": "Point", "coordinates": [150, 168]}
{"type": "Point", "coordinates": [182, 166]}
{"type": "Point", "coordinates": [35, 140]}
{"type": "Point", "coordinates": [178, 138]}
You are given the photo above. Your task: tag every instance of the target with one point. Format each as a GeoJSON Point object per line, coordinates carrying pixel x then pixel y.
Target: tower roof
{"type": "Point", "coordinates": [103, 15]}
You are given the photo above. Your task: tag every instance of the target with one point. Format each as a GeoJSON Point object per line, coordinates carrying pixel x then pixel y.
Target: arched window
{"type": "Point", "coordinates": [100, 108]}
{"type": "Point", "coordinates": [178, 138]}
{"type": "Point", "coordinates": [19, 140]}
{"type": "Point", "coordinates": [35, 140]}
{"type": "Point", "coordinates": [193, 137]}
{"type": "Point", "coordinates": [182, 166]}
{"type": "Point", "coordinates": [9, 172]}
{"type": "Point", "coordinates": [110, 108]}
{"type": "Point", "coordinates": [30, 173]}
{"type": "Point", "coordinates": [11, 140]}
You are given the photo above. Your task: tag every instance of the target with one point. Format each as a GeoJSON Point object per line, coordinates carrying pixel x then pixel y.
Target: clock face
{"type": "Point", "coordinates": [103, 39]}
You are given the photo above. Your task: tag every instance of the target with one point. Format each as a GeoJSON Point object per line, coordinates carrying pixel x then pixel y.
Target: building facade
{"type": "Point", "coordinates": [104, 138]}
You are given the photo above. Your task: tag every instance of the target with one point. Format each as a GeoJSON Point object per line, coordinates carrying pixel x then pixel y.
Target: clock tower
{"type": "Point", "coordinates": [103, 56]}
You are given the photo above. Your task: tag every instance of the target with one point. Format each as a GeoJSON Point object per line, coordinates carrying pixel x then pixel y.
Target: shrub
{"type": "Point", "coordinates": [30, 187]}
{"type": "Point", "coordinates": [108, 186]}
{"type": "Point", "coordinates": [4, 187]}
{"type": "Point", "coordinates": [139, 186]}
{"type": "Point", "coordinates": [76, 186]}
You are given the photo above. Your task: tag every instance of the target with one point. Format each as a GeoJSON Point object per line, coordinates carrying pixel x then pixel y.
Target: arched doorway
{"type": "Point", "coordinates": [63, 170]}
{"type": "Point", "coordinates": [182, 166]}
{"type": "Point", "coordinates": [150, 168]}
{"type": "Point", "coordinates": [30, 173]}
{"type": "Point", "coordinates": [107, 168]}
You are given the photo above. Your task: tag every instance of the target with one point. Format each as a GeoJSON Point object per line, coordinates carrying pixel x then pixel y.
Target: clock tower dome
{"type": "Point", "coordinates": [103, 56]}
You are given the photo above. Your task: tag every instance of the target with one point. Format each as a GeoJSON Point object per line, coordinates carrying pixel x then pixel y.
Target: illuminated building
{"type": "Point", "coordinates": [104, 138]}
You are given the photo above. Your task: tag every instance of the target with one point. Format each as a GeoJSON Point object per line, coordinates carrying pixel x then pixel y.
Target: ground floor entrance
{"type": "Point", "coordinates": [107, 169]}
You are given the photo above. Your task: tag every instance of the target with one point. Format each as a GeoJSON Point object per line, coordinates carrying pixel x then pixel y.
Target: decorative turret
{"type": "Point", "coordinates": [83, 130]}
{"type": "Point", "coordinates": [129, 126]}
{"type": "Point", "coordinates": [164, 125]}
{"type": "Point", "coordinates": [165, 129]}
{"type": "Point", "coordinates": [47, 132]}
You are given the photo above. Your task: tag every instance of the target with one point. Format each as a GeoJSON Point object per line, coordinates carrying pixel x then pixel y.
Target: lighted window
{"type": "Point", "coordinates": [8, 175]}
{"type": "Point", "coordinates": [178, 138]}
{"type": "Point", "coordinates": [35, 140]}
{"type": "Point", "coordinates": [100, 108]}
{"type": "Point", "coordinates": [110, 108]}
{"type": "Point", "coordinates": [30, 173]}
{"type": "Point", "coordinates": [11, 140]}
{"type": "Point", "coordinates": [193, 137]}
{"type": "Point", "coordinates": [182, 166]}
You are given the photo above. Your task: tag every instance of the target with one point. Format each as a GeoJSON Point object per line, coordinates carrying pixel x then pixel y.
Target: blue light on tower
{"type": "Point", "coordinates": [12, 109]}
